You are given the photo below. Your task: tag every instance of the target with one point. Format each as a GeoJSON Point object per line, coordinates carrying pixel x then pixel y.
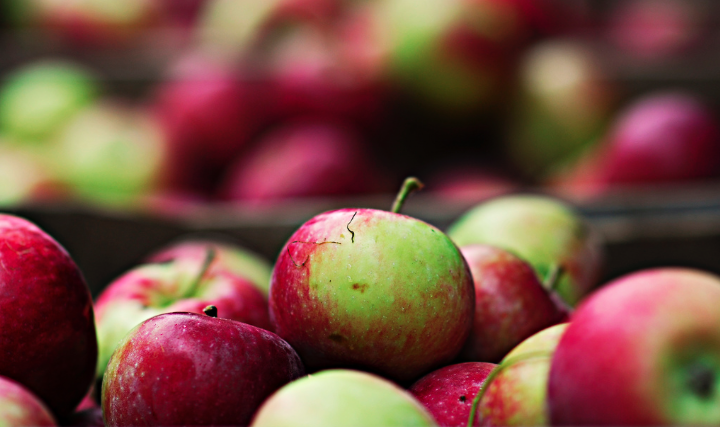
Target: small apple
{"type": "Point", "coordinates": [228, 256]}
{"type": "Point", "coordinates": [183, 283]}
{"type": "Point", "coordinates": [302, 159]}
{"type": "Point", "coordinates": [372, 289]}
{"type": "Point", "coordinates": [543, 231]}
{"type": "Point", "coordinates": [38, 99]}
{"type": "Point", "coordinates": [510, 303]}
{"type": "Point", "coordinates": [47, 332]}
{"type": "Point", "coordinates": [19, 407]}
{"type": "Point", "coordinates": [194, 369]}
{"type": "Point", "coordinates": [341, 398]}
{"type": "Point", "coordinates": [642, 350]}
{"type": "Point", "coordinates": [448, 393]}
{"type": "Point", "coordinates": [515, 395]}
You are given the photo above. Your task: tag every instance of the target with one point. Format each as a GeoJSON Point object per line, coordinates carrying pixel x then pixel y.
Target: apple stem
{"type": "Point", "coordinates": [552, 280]}
{"type": "Point", "coordinates": [209, 258]}
{"type": "Point", "coordinates": [702, 381]}
{"type": "Point", "coordinates": [495, 372]}
{"type": "Point", "coordinates": [410, 185]}
{"type": "Point", "coordinates": [211, 311]}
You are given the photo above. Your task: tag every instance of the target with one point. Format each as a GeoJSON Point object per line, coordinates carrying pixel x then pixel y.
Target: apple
{"type": "Point", "coordinates": [448, 392]}
{"type": "Point", "coordinates": [47, 332]}
{"type": "Point", "coordinates": [37, 99]}
{"type": "Point", "coordinates": [642, 350]}
{"type": "Point", "coordinates": [24, 176]}
{"type": "Point", "coordinates": [510, 303]}
{"type": "Point", "coordinates": [301, 159]}
{"type": "Point", "coordinates": [19, 407]}
{"type": "Point", "coordinates": [516, 393]}
{"type": "Point", "coordinates": [541, 230]}
{"type": "Point", "coordinates": [228, 256]}
{"type": "Point", "coordinates": [372, 289]}
{"type": "Point", "coordinates": [180, 283]}
{"type": "Point", "coordinates": [208, 114]}
{"type": "Point", "coordinates": [194, 369]}
{"type": "Point", "coordinates": [339, 398]}
{"type": "Point", "coordinates": [469, 184]}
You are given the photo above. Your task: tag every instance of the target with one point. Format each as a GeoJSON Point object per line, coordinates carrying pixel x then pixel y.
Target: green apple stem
{"type": "Point", "coordinates": [495, 372]}
{"type": "Point", "coordinates": [552, 280]}
{"type": "Point", "coordinates": [209, 258]}
{"type": "Point", "coordinates": [211, 311]}
{"type": "Point", "coordinates": [410, 185]}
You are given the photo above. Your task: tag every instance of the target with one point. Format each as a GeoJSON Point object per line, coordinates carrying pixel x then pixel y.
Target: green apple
{"type": "Point", "coordinates": [341, 398]}
{"type": "Point", "coordinates": [545, 232]}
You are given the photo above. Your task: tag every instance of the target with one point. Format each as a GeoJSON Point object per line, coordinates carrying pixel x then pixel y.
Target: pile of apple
{"type": "Point", "coordinates": [368, 317]}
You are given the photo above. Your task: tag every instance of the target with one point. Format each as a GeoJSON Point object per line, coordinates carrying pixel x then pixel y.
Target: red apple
{"type": "Point", "coordinates": [303, 159]}
{"type": "Point", "coordinates": [510, 303]}
{"type": "Point", "coordinates": [179, 284]}
{"type": "Point", "coordinates": [194, 369]}
{"type": "Point", "coordinates": [448, 393]}
{"type": "Point", "coordinates": [19, 407]}
{"type": "Point", "coordinates": [642, 350]}
{"type": "Point", "coordinates": [469, 184]}
{"type": "Point", "coordinates": [372, 289]}
{"type": "Point", "coordinates": [47, 332]}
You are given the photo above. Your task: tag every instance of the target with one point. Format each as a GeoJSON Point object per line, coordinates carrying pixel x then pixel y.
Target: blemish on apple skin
{"type": "Point", "coordinates": [462, 398]}
{"type": "Point", "coordinates": [337, 338]}
{"type": "Point", "coordinates": [360, 287]}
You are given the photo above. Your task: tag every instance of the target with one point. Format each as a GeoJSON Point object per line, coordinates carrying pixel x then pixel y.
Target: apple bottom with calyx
{"type": "Point", "coordinates": [194, 369]}
{"type": "Point", "coordinates": [19, 407]}
{"type": "Point", "coordinates": [510, 303]}
{"type": "Point", "coordinates": [515, 392]}
{"type": "Point", "coordinates": [341, 398]}
{"type": "Point", "coordinates": [643, 350]}
{"type": "Point", "coordinates": [448, 393]}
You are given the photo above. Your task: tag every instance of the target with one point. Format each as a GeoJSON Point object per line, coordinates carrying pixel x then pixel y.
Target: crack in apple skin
{"type": "Point", "coordinates": [410, 311]}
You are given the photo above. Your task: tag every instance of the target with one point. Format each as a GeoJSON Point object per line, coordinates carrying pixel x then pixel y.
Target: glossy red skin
{"type": "Point", "coordinates": [510, 303]}
{"type": "Point", "coordinates": [236, 298]}
{"type": "Point", "coordinates": [448, 393]}
{"type": "Point", "coordinates": [15, 395]}
{"type": "Point", "coordinates": [305, 159]}
{"type": "Point", "coordinates": [607, 369]}
{"type": "Point", "coordinates": [191, 369]}
{"type": "Point", "coordinates": [292, 304]}
{"type": "Point", "coordinates": [663, 137]}
{"type": "Point", "coordinates": [47, 328]}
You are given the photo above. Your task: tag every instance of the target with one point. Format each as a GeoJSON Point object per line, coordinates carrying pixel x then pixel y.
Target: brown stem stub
{"type": "Point", "coordinates": [211, 311]}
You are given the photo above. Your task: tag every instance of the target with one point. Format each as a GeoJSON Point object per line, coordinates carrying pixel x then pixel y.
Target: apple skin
{"type": "Point", "coordinates": [152, 289]}
{"type": "Point", "coordinates": [394, 296]}
{"type": "Point", "coordinates": [19, 407]}
{"type": "Point", "coordinates": [302, 159]}
{"type": "Point", "coordinates": [47, 332]}
{"type": "Point", "coordinates": [541, 230]}
{"type": "Point", "coordinates": [642, 350]}
{"type": "Point", "coordinates": [228, 256]}
{"type": "Point", "coordinates": [194, 369]}
{"type": "Point", "coordinates": [517, 395]}
{"type": "Point", "coordinates": [448, 393]}
{"type": "Point", "coordinates": [341, 398]}
{"type": "Point", "coordinates": [510, 303]}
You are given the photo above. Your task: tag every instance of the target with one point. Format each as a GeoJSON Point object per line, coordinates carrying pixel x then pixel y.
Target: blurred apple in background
{"type": "Point", "coordinates": [37, 99]}
{"type": "Point", "coordinates": [656, 29]}
{"type": "Point", "coordinates": [448, 393]}
{"type": "Point", "coordinates": [469, 184]}
{"type": "Point", "coordinates": [22, 408]}
{"type": "Point", "coordinates": [89, 22]}
{"type": "Point", "coordinates": [642, 350]}
{"type": "Point", "coordinates": [564, 104]}
{"type": "Point", "coordinates": [110, 153]}
{"type": "Point", "coordinates": [208, 114]}
{"type": "Point", "coordinates": [517, 395]}
{"type": "Point", "coordinates": [543, 231]}
{"type": "Point", "coordinates": [302, 159]}
{"type": "Point", "coordinates": [342, 398]}
{"type": "Point", "coordinates": [510, 303]}
{"type": "Point", "coordinates": [180, 280]}
{"type": "Point", "coordinates": [24, 177]}
{"type": "Point", "coordinates": [194, 369]}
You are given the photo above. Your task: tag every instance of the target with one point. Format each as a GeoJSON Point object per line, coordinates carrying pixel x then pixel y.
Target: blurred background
{"type": "Point", "coordinates": [126, 124]}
